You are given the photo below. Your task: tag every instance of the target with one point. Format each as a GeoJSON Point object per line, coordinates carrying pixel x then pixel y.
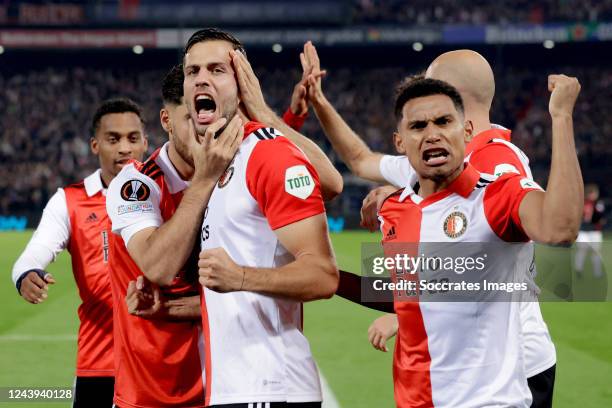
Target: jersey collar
{"type": "Point", "coordinates": [465, 183]}
{"type": "Point", "coordinates": [172, 178]}
{"type": "Point", "coordinates": [93, 183]}
{"type": "Point", "coordinates": [250, 127]}
{"type": "Point", "coordinates": [481, 139]}
{"type": "Point", "coordinates": [462, 185]}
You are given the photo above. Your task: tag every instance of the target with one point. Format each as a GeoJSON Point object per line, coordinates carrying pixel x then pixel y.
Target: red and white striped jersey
{"type": "Point", "coordinates": [491, 152]}
{"type": "Point", "coordinates": [460, 354]}
{"type": "Point", "coordinates": [255, 348]}
{"type": "Point", "coordinates": [158, 363]}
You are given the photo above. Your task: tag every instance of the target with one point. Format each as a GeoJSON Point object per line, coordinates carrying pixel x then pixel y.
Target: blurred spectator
{"type": "Point", "coordinates": [421, 12]}
{"type": "Point", "coordinates": [45, 118]}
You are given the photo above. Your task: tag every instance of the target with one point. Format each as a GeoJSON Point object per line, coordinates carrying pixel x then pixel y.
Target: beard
{"type": "Point", "coordinates": [183, 150]}
{"type": "Point", "coordinates": [229, 113]}
{"type": "Point", "coordinates": [436, 174]}
{"type": "Point", "coordinates": [442, 175]}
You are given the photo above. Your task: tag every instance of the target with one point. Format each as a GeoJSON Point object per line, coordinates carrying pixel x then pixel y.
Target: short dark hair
{"type": "Point", "coordinates": [212, 34]}
{"type": "Point", "coordinates": [114, 105]}
{"type": "Point", "coordinates": [172, 86]}
{"type": "Point", "coordinates": [418, 86]}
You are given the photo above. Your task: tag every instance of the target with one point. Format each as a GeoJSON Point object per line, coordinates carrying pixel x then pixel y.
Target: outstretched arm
{"type": "Point", "coordinates": [350, 147]}
{"type": "Point", "coordinates": [252, 97]}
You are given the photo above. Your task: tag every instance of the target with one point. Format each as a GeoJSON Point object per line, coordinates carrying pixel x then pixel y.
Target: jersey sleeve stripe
{"type": "Point", "coordinates": [150, 170]}
{"type": "Point", "coordinates": [149, 166]}
{"type": "Point", "coordinates": [259, 135]}
{"type": "Point", "coordinates": [155, 174]}
{"type": "Point", "coordinates": [266, 132]}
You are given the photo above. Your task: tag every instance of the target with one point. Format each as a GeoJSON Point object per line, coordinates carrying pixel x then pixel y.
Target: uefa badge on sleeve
{"type": "Point", "coordinates": [135, 190]}
{"type": "Point", "coordinates": [298, 182]}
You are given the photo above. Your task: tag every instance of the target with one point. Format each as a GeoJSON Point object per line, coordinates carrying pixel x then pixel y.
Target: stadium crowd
{"type": "Point", "coordinates": [44, 119]}
{"type": "Point", "coordinates": [481, 11]}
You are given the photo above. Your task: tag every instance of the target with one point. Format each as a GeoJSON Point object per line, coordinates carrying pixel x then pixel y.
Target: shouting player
{"type": "Point", "coordinates": [489, 151]}
{"type": "Point", "coordinates": [157, 207]}
{"type": "Point", "coordinates": [75, 219]}
{"type": "Point", "coordinates": [152, 205]}
{"type": "Point", "coordinates": [470, 354]}
{"type": "Point", "coordinates": [265, 247]}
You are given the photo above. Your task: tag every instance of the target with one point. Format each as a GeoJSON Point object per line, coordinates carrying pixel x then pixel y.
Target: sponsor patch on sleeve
{"type": "Point", "coordinates": [505, 168]}
{"type": "Point", "coordinates": [528, 183]}
{"type": "Point", "coordinates": [135, 207]}
{"type": "Point", "coordinates": [298, 182]}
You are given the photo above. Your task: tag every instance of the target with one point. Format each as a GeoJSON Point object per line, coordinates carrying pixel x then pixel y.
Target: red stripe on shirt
{"type": "Point", "coordinates": [412, 361]}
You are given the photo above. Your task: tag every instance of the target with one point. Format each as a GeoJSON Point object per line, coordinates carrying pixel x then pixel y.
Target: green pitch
{"type": "Point", "coordinates": [37, 347]}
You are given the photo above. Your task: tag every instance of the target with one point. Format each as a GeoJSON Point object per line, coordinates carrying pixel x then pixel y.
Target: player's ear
{"type": "Point", "coordinates": [164, 119]}
{"type": "Point", "coordinates": [399, 143]}
{"type": "Point", "coordinates": [468, 127]}
{"type": "Point", "coordinates": [94, 145]}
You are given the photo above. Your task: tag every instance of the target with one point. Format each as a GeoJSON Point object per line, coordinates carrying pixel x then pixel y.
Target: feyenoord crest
{"type": "Point", "coordinates": [226, 177]}
{"type": "Point", "coordinates": [455, 224]}
{"type": "Point", "coordinates": [135, 190]}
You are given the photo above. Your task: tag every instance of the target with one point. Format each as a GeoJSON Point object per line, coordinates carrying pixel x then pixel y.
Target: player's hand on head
{"type": "Point", "coordinates": [219, 272]}
{"type": "Point", "coordinates": [564, 92]}
{"type": "Point", "coordinates": [371, 205]}
{"type": "Point", "coordinates": [251, 94]}
{"type": "Point", "coordinates": [143, 298]}
{"type": "Point", "coordinates": [215, 151]}
{"type": "Point", "coordinates": [34, 288]}
{"type": "Point", "coordinates": [381, 330]}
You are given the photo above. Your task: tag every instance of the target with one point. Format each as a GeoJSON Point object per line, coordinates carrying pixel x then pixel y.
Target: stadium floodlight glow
{"type": "Point", "coordinates": [417, 46]}
{"type": "Point", "coordinates": [277, 48]}
{"type": "Point", "coordinates": [138, 49]}
{"type": "Point", "coordinates": [549, 44]}
{"type": "Point", "coordinates": [1, 49]}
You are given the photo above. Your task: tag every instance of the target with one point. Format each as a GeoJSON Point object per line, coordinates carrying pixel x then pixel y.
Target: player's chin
{"type": "Point", "coordinates": [200, 129]}
{"type": "Point", "coordinates": [438, 173]}
{"type": "Point", "coordinates": [120, 164]}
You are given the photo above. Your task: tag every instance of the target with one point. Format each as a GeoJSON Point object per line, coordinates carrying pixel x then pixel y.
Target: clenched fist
{"type": "Point", "coordinates": [564, 92]}
{"type": "Point", "coordinates": [34, 286]}
{"type": "Point", "coordinates": [219, 272]}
